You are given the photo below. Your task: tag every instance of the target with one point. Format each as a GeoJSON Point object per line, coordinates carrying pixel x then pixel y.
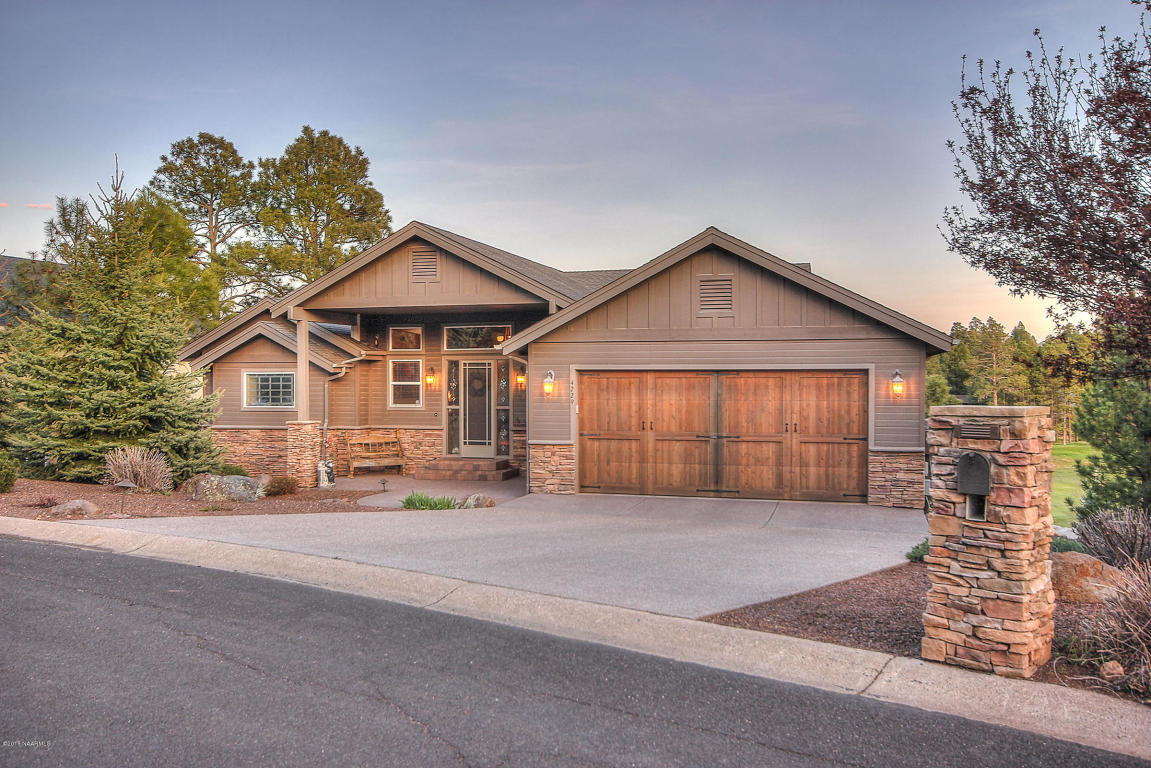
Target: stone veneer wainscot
{"type": "Point", "coordinates": [551, 468]}
{"type": "Point", "coordinates": [896, 479]}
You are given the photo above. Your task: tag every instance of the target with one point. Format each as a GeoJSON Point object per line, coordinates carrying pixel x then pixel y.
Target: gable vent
{"type": "Point", "coordinates": [425, 266]}
{"type": "Point", "coordinates": [715, 294]}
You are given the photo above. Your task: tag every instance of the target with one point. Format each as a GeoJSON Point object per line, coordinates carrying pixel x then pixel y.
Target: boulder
{"type": "Point", "coordinates": [478, 500]}
{"type": "Point", "coordinates": [75, 508]}
{"type": "Point", "coordinates": [224, 488]}
{"type": "Point", "coordinates": [1066, 533]}
{"type": "Point", "coordinates": [1112, 671]}
{"type": "Point", "coordinates": [1081, 578]}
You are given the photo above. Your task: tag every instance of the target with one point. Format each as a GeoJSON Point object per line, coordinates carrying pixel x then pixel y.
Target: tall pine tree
{"type": "Point", "coordinates": [96, 373]}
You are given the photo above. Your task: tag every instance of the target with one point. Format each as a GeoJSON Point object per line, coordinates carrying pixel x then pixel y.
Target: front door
{"type": "Point", "coordinates": [476, 409]}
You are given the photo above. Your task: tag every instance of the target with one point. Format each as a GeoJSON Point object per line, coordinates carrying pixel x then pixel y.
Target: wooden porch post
{"type": "Point", "coordinates": [303, 361]}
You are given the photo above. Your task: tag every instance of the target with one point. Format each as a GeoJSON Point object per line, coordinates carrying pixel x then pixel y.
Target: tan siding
{"type": "Point", "coordinates": [259, 354]}
{"type": "Point", "coordinates": [387, 282]}
{"type": "Point", "coordinates": [896, 423]}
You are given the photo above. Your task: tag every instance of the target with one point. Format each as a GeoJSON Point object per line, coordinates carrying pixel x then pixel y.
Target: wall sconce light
{"type": "Point", "coordinates": [521, 380]}
{"type": "Point", "coordinates": [550, 383]}
{"type": "Point", "coordinates": [897, 385]}
{"type": "Point", "coordinates": [430, 378]}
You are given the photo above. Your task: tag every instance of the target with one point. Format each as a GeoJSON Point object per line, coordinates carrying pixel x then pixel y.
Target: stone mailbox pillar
{"type": "Point", "coordinates": [989, 517]}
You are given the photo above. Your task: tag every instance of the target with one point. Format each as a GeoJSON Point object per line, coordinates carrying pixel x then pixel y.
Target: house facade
{"type": "Point", "coordinates": [715, 369]}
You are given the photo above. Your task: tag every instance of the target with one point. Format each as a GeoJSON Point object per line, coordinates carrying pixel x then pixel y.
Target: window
{"type": "Point", "coordinates": [406, 388]}
{"type": "Point", "coordinates": [407, 338]}
{"type": "Point", "coordinates": [716, 296]}
{"type": "Point", "coordinates": [425, 266]}
{"type": "Point", "coordinates": [475, 336]}
{"type": "Point", "coordinates": [269, 390]}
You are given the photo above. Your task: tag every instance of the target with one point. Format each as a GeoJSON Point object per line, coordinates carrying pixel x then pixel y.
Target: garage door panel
{"type": "Point", "coordinates": [681, 403]}
{"type": "Point", "coordinates": [829, 470]}
{"type": "Point", "coordinates": [828, 404]}
{"type": "Point", "coordinates": [754, 468]}
{"type": "Point", "coordinates": [611, 465]}
{"type": "Point", "coordinates": [611, 402]}
{"type": "Point", "coordinates": [680, 466]}
{"type": "Point", "coordinates": [752, 403]}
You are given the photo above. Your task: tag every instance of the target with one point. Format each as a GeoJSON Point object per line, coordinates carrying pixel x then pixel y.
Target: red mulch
{"type": "Point", "coordinates": [882, 611]}
{"type": "Point", "coordinates": [32, 499]}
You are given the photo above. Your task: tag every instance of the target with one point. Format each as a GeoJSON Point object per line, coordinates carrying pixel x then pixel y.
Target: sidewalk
{"type": "Point", "coordinates": [1084, 717]}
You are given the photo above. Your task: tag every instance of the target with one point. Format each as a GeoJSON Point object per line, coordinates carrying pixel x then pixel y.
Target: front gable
{"type": "Point", "coordinates": [715, 295]}
{"type": "Point", "coordinates": [417, 274]}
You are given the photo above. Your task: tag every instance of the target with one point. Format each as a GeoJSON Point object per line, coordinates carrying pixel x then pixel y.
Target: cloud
{"type": "Point", "coordinates": [38, 205]}
{"type": "Point", "coordinates": [3, 205]}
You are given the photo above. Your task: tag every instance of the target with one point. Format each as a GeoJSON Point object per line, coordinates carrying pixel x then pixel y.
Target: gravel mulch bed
{"type": "Point", "coordinates": [32, 499]}
{"type": "Point", "coordinates": [882, 611]}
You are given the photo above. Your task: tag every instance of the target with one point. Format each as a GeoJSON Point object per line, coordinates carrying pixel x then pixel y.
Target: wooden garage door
{"type": "Point", "coordinates": [746, 434]}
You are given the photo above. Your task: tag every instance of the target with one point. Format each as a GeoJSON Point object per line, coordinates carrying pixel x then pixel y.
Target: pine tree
{"type": "Point", "coordinates": [96, 373]}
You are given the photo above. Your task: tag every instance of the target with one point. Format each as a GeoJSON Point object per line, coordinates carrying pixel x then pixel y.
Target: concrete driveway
{"type": "Point", "coordinates": [681, 557]}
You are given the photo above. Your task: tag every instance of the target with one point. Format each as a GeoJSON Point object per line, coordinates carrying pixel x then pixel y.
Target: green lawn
{"type": "Point", "coordinates": [1065, 482]}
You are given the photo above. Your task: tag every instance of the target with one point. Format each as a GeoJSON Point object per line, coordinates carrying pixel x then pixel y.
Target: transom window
{"type": "Point", "coordinates": [406, 387]}
{"type": "Point", "coordinates": [270, 390]}
{"type": "Point", "coordinates": [406, 338]}
{"type": "Point", "coordinates": [458, 337]}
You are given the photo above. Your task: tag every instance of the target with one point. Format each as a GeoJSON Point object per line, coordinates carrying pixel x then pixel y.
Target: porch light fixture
{"type": "Point", "coordinates": [430, 378]}
{"type": "Point", "coordinates": [521, 380]}
{"type": "Point", "coordinates": [550, 383]}
{"type": "Point", "coordinates": [897, 385]}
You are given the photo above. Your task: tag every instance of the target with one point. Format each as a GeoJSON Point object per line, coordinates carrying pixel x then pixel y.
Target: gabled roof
{"type": "Point", "coordinates": [281, 332]}
{"type": "Point", "coordinates": [936, 340]}
{"type": "Point", "coordinates": [223, 329]}
{"type": "Point", "coordinates": [549, 284]}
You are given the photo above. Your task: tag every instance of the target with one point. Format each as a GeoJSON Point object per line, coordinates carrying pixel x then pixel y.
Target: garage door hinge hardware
{"type": "Point", "coordinates": [589, 434]}
{"type": "Point", "coordinates": [719, 437]}
{"type": "Point", "coordinates": [856, 495]}
{"type": "Point", "coordinates": [717, 490]}
{"type": "Point", "coordinates": [597, 487]}
{"type": "Point", "coordinates": [855, 438]}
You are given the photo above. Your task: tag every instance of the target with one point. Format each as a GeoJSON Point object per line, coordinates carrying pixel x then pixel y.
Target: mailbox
{"type": "Point", "coordinates": [973, 474]}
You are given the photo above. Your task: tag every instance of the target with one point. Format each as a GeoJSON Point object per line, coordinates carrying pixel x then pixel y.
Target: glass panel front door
{"type": "Point", "coordinates": [476, 406]}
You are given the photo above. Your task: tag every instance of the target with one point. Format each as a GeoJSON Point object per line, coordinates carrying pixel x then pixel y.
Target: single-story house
{"type": "Point", "coordinates": [715, 369]}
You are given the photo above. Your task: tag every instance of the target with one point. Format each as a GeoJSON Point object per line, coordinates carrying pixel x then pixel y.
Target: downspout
{"type": "Point", "coordinates": [343, 366]}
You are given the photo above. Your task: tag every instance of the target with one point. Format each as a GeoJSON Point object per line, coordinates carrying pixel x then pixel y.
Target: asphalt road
{"type": "Point", "coordinates": [109, 660]}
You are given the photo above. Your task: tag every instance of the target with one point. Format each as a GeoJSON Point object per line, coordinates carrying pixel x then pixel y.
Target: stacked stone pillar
{"type": "Point", "coordinates": [303, 451]}
{"type": "Point", "coordinates": [990, 603]}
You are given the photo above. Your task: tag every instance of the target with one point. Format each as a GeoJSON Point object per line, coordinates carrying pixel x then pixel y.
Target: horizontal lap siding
{"type": "Point", "coordinates": [259, 354]}
{"type": "Point", "coordinates": [897, 423]}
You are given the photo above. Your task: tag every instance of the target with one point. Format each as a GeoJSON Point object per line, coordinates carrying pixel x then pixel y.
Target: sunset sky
{"type": "Point", "coordinates": [581, 134]}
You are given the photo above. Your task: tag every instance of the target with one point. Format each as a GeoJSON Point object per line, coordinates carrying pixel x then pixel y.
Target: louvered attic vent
{"type": "Point", "coordinates": [715, 295]}
{"type": "Point", "coordinates": [425, 266]}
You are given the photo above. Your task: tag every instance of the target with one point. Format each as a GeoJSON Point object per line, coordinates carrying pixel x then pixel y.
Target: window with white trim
{"type": "Point", "coordinates": [406, 338]}
{"type": "Point", "coordinates": [406, 386]}
{"type": "Point", "coordinates": [273, 389]}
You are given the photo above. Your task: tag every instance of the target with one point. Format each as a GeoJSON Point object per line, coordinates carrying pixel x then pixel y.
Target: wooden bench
{"type": "Point", "coordinates": [378, 452]}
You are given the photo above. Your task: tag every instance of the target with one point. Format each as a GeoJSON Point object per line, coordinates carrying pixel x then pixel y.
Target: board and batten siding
{"type": "Point", "coordinates": [258, 355]}
{"type": "Point", "coordinates": [387, 282]}
{"type": "Point", "coordinates": [773, 323]}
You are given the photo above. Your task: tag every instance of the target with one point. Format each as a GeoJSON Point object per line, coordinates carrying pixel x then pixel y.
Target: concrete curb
{"type": "Point", "coordinates": [1083, 717]}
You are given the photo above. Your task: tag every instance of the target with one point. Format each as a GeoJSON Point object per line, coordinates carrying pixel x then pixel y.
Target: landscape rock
{"type": "Point", "coordinates": [223, 488]}
{"type": "Point", "coordinates": [1066, 533]}
{"type": "Point", "coordinates": [262, 481]}
{"type": "Point", "coordinates": [1081, 578]}
{"type": "Point", "coordinates": [477, 500]}
{"type": "Point", "coordinates": [1112, 671]}
{"type": "Point", "coordinates": [75, 508]}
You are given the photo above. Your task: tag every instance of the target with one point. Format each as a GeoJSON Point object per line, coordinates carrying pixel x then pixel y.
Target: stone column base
{"type": "Point", "coordinates": [551, 468]}
{"type": "Point", "coordinates": [896, 479]}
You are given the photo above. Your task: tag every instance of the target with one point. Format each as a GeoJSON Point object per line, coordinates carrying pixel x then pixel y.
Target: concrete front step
{"type": "Point", "coordinates": [430, 473]}
{"type": "Point", "coordinates": [453, 468]}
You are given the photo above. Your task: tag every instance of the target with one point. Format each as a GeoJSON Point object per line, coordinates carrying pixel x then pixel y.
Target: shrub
{"type": "Point", "coordinates": [282, 486]}
{"type": "Point", "coordinates": [417, 500]}
{"type": "Point", "coordinates": [1119, 537]}
{"type": "Point", "coordinates": [918, 552]}
{"type": "Point", "coordinates": [146, 467]}
{"type": "Point", "coordinates": [231, 469]}
{"type": "Point", "coordinates": [1064, 544]}
{"type": "Point", "coordinates": [44, 501]}
{"type": "Point", "coordinates": [9, 470]}
{"type": "Point", "coordinates": [1122, 629]}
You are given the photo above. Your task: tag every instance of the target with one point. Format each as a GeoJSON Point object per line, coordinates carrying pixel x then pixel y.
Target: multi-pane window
{"type": "Point", "coordinates": [406, 387]}
{"type": "Point", "coordinates": [270, 390]}
{"type": "Point", "coordinates": [406, 338]}
{"type": "Point", "coordinates": [475, 336]}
